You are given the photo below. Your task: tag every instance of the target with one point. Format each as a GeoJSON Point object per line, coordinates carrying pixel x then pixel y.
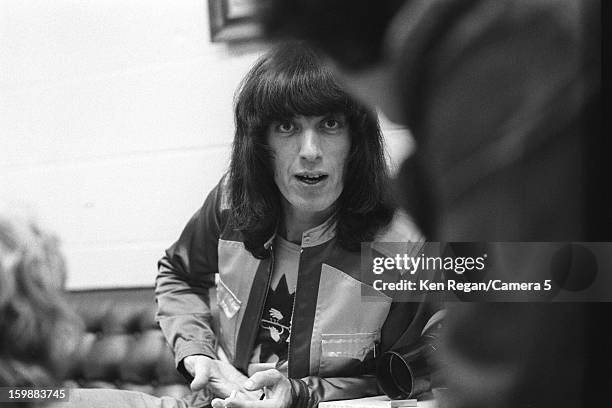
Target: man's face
{"type": "Point", "coordinates": [309, 157]}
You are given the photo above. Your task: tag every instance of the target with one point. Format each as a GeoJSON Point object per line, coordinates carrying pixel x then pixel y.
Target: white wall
{"type": "Point", "coordinates": [115, 120]}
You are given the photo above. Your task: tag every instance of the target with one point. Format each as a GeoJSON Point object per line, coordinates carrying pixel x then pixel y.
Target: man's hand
{"type": "Point", "coordinates": [277, 390]}
{"type": "Point", "coordinates": [220, 377]}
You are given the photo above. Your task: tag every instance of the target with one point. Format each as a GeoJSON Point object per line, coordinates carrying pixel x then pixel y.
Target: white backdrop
{"type": "Point", "coordinates": [115, 121]}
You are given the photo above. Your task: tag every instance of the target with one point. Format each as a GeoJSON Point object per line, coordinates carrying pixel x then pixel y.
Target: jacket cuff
{"type": "Point", "coordinates": [190, 349]}
{"type": "Point", "coordinates": [299, 393]}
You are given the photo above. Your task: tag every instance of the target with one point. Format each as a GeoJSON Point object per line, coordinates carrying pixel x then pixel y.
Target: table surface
{"type": "Point", "coordinates": [381, 401]}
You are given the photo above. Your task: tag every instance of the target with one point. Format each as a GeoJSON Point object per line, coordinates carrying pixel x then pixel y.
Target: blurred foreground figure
{"type": "Point", "coordinates": [503, 99]}
{"type": "Point", "coordinates": [38, 331]}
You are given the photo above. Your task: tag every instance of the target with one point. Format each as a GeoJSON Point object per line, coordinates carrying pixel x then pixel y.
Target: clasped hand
{"type": "Point", "coordinates": [233, 389]}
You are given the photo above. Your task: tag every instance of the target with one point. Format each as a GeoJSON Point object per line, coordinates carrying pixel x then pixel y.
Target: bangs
{"type": "Point", "coordinates": [293, 81]}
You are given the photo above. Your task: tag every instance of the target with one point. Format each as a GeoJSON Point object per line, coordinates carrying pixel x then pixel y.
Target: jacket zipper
{"type": "Point", "coordinates": [265, 297]}
{"type": "Point", "coordinates": [291, 321]}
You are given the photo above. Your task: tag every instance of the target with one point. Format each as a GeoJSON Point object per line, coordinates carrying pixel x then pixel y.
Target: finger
{"type": "Point", "coordinates": [240, 403]}
{"type": "Point", "coordinates": [262, 379]}
{"type": "Point", "coordinates": [224, 403]}
{"type": "Point", "coordinates": [200, 380]}
{"type": "Point", "coordinates": [252, 395]}
{"type": "Point", "coordinates": [217, 403]}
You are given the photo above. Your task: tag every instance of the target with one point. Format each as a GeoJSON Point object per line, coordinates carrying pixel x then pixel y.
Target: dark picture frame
{"type": "Point", "coordinates": [233, 20]}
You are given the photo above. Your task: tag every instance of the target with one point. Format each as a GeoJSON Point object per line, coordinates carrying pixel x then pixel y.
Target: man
{"type": "Point", "coordinates": [307, 185]}
{"type": "Point", "coordinates": [503, 99]}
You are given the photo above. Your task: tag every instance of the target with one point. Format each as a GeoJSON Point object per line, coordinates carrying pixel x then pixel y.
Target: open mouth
{"type": "Point", "coordinates": [311, 178]}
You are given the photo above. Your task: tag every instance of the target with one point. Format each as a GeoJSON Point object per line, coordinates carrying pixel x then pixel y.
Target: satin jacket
{"type": "Point", "coordinates": [335, 333]}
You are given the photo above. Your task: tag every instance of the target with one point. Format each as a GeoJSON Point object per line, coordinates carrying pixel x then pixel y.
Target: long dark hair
{"type": "Point", "coordinates": [292, 80]}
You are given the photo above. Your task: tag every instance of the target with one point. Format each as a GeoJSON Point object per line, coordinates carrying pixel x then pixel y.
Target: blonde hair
{"type": "Point", "coordinates": [38, 330]}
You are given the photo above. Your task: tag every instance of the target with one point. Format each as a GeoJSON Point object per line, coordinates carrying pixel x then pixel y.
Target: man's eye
{"type": "Point", "coordinates": [285, 127]}
{"type": "Point", "coordinates": [332, 124]}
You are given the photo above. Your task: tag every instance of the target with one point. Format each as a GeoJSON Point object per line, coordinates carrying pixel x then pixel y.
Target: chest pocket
{"type": "Point", "coordinates": [342, 354]}
{"type": "Point", "coordinates": [347, 324]}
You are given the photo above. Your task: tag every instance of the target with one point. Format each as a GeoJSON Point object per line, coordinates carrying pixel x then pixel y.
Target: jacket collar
{"type": "Point", "coordinates": [321, 233]}
{"type": "Point", "coordinates": [318, 235]}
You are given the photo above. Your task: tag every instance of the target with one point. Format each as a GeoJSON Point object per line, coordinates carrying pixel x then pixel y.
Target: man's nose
{"type": "Point", "coordinates": [310, 145]}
